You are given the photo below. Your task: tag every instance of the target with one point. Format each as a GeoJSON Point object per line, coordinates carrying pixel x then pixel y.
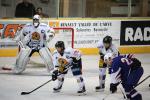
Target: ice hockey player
{"type": "Point", "coordinates": [104, 46]}
{"type": "Point", "coordinates": [126, 71]}
{"type": "Point", "coordinates": [34, 38]}
{"type": "Point", "coordinates": [65, 59]}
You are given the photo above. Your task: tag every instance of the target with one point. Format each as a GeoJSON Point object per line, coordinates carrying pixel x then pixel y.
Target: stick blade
{"type": "Point", "coordinates": [25, 93]}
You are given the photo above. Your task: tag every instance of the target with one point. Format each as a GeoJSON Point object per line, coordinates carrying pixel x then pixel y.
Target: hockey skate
{"type": "Point", "coordinates": [57, 89]}
{"type": "Point", "coordinates": [100, 88]}
{"type": "Point", "coordinates": [82, 91]}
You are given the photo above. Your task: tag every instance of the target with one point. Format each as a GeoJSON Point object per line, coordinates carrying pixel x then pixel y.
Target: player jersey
{"type": "Point", "coordinates": [112, 49]}
{"type": "Point", "coordinates": [36, 37]}
{"type": "Point", "coordinates": [120, 69]}
{"type": "Point", "coordinates": [62, 60]}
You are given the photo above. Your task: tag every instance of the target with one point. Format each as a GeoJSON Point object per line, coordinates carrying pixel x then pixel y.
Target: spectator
{"type": "Point", "coordinates": [39, 11]}
{"type": "Point", "coordinates": [25, 9]}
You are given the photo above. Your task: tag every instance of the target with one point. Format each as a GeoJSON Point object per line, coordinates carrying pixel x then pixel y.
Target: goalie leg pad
{"type": "Point", "coordinates": [22, 60]}
{"type": "Point", "coordinates": [47, 58]}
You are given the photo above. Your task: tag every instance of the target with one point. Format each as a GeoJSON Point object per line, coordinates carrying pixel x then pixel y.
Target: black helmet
{"type": "Point", "coordinates": [107, 39]}
{"type": "Point", "coordinates": [60, 44]}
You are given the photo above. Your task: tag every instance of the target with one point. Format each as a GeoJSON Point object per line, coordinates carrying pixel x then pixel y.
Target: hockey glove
{"type": "Point", "coordinates": [113, 88]}
{"type": "Point", "coordinates": [109, 70]}
{"type": "Point", "coordinates": [54, 75]}
{"type": "Point", "coordinates": [101, 56]}
{"type": "Point", "coordinates": [74, 60]}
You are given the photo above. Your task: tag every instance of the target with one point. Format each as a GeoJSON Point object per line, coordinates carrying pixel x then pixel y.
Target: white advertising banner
{"type": "Point", "coordinates": [89, 32]}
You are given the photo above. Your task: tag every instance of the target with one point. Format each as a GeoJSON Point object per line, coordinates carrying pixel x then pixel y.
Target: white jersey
{"type": "Point", "coordinates": [66, 57]}
{"type": "Point", "coordinates": [36, 38]}
{"type": "Point", "coordinates": [112, 49]}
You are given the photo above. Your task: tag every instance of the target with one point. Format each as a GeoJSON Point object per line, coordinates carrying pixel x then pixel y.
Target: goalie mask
{"type": "Point", "coordinates": [36, 20]}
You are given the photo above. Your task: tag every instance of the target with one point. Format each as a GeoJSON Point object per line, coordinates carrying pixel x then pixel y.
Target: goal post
{"type": "Point", "coordinates": [65, 34]}
{"type": "Point", "coordinates": [72, 33]}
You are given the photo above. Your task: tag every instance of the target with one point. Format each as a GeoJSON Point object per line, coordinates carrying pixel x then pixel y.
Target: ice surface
{"type": "Point", "coordinates": [12, 85]}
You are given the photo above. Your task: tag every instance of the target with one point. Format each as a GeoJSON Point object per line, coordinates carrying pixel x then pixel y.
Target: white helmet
{"type": "Point", "coordinates": [36, 20]}
{"type": "Point", "coordinates": [108, 57]}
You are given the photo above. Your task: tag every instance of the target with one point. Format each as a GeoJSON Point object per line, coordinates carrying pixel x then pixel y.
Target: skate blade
{"type": "Point", "coordinates": [81, 94]}
{"type": "Point", "coordinates": [101, 90]}
{"type": "Point", "coordinates": [56, 91]}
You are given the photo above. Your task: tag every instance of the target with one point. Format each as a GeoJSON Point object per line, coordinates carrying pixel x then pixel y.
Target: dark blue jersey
{"type": "Point", "coordinates": [120, 69]}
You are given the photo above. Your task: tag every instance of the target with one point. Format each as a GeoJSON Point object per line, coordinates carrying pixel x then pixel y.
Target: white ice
{"type": "Point", "coordinates": [12, 85]}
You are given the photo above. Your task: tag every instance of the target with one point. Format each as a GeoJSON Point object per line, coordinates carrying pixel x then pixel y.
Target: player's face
{"type": "Point", "coordinates": [109, 61]}
{"type": "Point", "coordinates": [107, 45]}
{"type": "Point", "coordinates": [59, 49]}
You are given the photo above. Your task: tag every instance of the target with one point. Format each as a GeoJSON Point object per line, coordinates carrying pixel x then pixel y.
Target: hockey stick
{"type": "Point", "coordinates": [131, 90]}
{"type": "Point", "coordinates": [106, 96]}
{"type": "Point", "coordinates": [112, 93]}
{"type": "Point", "coordinates": [125, 97]}
{"type": "Point", "coordinates": [140, 82]}
{"type": "Point", "coordinates": [24, 93]}
{"type": "Point", "coordinates": [123, 93]}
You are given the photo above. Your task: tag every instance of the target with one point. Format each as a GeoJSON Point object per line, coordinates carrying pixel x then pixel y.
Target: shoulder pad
{"type": "Point", "coordinates": [68, 50]}
{"type": "Point", "coordinates": [28, 25]}
{"type": "Point", "coordinates": [55, 52]}
{"type": "Point", "coordinates": [100, 44]}
{"type": "Point", "coordinates": [43, 24]}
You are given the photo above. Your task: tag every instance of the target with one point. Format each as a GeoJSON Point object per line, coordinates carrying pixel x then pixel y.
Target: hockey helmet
{"type": "Point", "coordinates": [60, 44]}
{"type": "Point", "coordinates": [107, 39]}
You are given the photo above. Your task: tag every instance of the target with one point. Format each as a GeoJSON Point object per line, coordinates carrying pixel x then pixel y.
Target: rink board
{"type": "Point", "coordinates": [85, 51]}
{"type": "Point", "coordinates": [89, 31]}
